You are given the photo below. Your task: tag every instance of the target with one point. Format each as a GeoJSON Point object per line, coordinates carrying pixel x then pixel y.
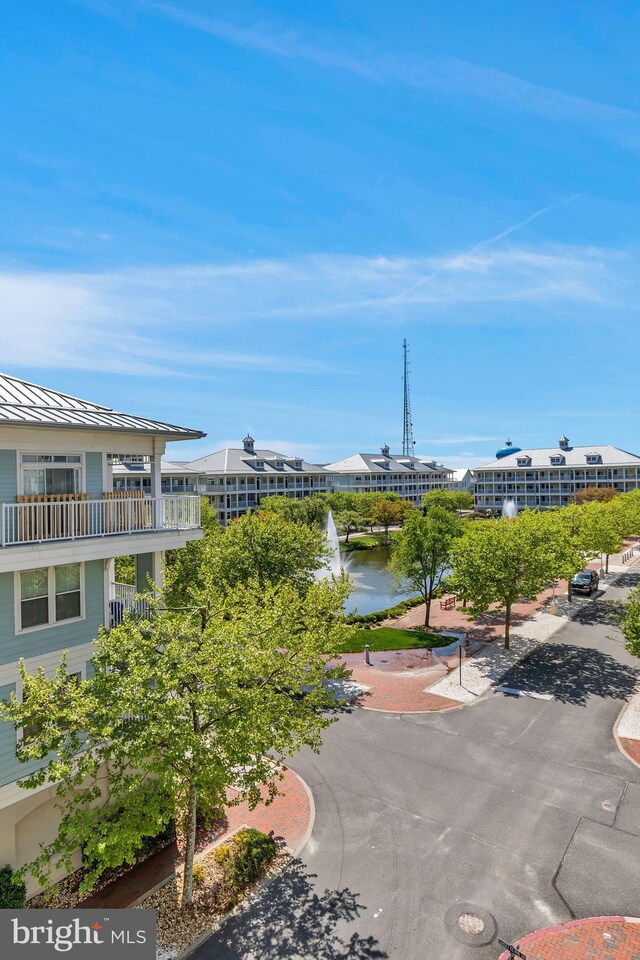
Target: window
{"type": "Point", "coordinates": [46, 473]}
{"type": "Point", "coordinates": [49, 595]}
{"type": "Point", "coordinates": [34, 598]}
{"type": "Point", "coordinates": [67, 581]}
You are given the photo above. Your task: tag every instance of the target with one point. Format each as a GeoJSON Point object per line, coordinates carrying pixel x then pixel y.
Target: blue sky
{"type": "Point", "coordinates": [230, 214]}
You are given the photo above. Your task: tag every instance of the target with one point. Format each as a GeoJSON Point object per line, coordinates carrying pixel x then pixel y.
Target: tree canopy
{"type": "Point", "coordinates": [497, 562]}
{"type": "Point", "coordinates": [447, 500]}
{"type": "Point", "coordinates": [421, 551]}
{"type": "Point", "coordinates": [180, 707]}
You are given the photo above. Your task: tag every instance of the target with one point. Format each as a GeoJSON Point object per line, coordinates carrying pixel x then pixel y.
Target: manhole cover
{"type": "Point", "coordinates": [471, 923]}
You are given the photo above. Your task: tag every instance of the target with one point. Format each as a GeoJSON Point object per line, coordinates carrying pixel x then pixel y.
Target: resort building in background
{"type": "Point", "coordinates": [61, 528]}
{"type": "Point", "coordinates": [410, 477]}
{"type": "Point", "coordinates": [551, 476]}
{"type": "Point", "coordinates": [234, 479]}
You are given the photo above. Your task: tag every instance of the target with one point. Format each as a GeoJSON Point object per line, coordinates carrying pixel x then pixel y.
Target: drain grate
{"type": "Point", "coordinates": [470, 924]}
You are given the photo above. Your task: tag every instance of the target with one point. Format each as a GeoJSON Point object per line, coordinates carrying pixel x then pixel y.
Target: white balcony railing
{"type": "Point", "coordinates": [79, 519]}
{"type": "Point", "coordinates": [126, 600]}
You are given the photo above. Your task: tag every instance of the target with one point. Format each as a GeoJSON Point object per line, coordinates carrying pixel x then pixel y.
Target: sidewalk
{"type": "Point", "coordinates": [596, 938]}
{"type": "Point", "coordinates": [288, 819]}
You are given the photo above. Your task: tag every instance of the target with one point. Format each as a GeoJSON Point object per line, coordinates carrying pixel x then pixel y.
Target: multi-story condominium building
{"type": "Point", "coordinates": [410, 477]}
{"type": "Point", "coordinates": [234, 479]}
{"type": "Point", "coordinates": [61, 528]}
{"type": "Point", "coordinates": [550, 477]}
{"type": "Point", "coordinates": [463, 480]}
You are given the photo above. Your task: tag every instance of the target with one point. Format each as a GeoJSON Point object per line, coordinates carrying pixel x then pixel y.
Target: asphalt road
{"type": "Point", "coordinates": [518, 810]}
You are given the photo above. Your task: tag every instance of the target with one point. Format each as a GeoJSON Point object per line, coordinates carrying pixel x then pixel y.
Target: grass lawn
{"type": "Point", "coordinates": [366, 542]}
{"type": "Point", "coordinates": [388, 638]}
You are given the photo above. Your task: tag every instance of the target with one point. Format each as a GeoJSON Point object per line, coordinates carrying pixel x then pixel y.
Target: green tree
{"type": "Point", "coordinates": [260, 547]}
{"type": "Point", "coordinates": [630, 622]}
{"type": "Point", "coordinates": [595, 494]}
{"type": "Point", "coordinates": [603, 525]}
{"type": "Point", "coordinates": [421, 551]}
{"type": "Point", "coordinates": [387, 513]}
{"type": "Point", "coordinates": [348, 522]}
{"type": "Point", "coordinates": [180, 708]}
{"type": "Point", "coordinates": [447, 500]}
{"type": "Point", "coordinates": [570, 548]}
{"type": "Point", "coordinates": [497, 562]}
{"type": "Point", "coordinates": [311, 511]}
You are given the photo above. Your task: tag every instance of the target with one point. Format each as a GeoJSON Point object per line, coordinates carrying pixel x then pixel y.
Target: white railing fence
{"type": "Point", "coordinates": [76, 519]}
{"type": "Point", "coordinates": [126, 600]}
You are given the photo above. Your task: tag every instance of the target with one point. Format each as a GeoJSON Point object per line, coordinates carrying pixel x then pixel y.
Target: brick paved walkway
{"type": "Point", "coordinates": [631, 748]}
{"type": "Point", "coordinates": [398, 680]}
{"type": "Point", "coordinates": [599, 938]}
{"type": "Point", "coordinates": [288, 818]}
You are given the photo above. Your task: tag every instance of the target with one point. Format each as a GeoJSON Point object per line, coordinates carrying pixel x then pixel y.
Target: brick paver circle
{"type": "Point", "coordinates": [595, 938]}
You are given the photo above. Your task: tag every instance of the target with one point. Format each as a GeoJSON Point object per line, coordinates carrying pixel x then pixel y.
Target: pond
{"type": "Point", "coordinates": [374, 586]}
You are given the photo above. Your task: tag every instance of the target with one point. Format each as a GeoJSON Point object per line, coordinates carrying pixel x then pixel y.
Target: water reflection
{"type": "Point", "coordinates": [374, 586]}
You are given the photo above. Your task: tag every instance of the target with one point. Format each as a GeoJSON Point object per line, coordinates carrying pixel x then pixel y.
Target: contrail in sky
{"type": "Point", "coordinates": [487, 243]}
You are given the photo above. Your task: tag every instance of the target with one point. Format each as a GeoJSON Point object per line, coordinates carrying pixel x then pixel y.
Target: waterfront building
{"type": "Point", "coordinates": [551, 476]}
{"type": "Point", "coordinates": [61, 529]}
{"type": "Point", "coordinates": [408, 476]}
{"type": "Point", "coordinates": [234, 479]}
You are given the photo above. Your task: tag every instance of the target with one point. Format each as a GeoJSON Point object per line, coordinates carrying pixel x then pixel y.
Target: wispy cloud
{"type": "Point", "coordinates": [445, 75]}
{"type": "Point", "coordinates": [163, 319]}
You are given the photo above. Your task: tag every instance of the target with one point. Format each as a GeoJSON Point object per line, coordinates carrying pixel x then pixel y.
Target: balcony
{"type": "Point", "coordinates": [48, 520]}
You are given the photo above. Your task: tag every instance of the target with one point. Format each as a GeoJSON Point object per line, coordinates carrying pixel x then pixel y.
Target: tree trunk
{"type": "Point", "coordinates": [346, 539]}
{"type": "Point", "coordinates": [606, 569]}
{"type": "Point", "coordinates": [569, 591]}
{"type": "Point", "coordinates": [190, 848]}
{"type": "Point", "coordinates": [507, 625]}
{"type": "Point", "coordinates": [427, 611]}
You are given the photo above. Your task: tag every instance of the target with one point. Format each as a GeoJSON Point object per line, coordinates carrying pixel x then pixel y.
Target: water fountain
{"type": "Point", "coordinates": [333, 566]}
{"type": "Point", "coordinates": [509, 508]}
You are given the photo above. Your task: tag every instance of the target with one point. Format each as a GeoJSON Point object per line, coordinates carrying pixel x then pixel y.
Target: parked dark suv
{"type": "Point", "coordinates": [585, 582]}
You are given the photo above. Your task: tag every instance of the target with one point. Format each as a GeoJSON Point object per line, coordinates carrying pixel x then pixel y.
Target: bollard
{"type": "Point", "coordinates": [553, 609]}
{"type": "Point", "coordinates": [367, 651]}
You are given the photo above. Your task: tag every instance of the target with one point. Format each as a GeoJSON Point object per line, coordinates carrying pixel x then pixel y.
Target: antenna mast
{"type": "Point", "coordinates": [408, 442]}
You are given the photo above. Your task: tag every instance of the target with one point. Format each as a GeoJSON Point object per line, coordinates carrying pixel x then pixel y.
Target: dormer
{"type": "Point", "coordinates": [258, 464]}
{"type": "Point", "coordinates": [248, 443]}
{"type": "Point", "coordinates": [594, 457]}
{"type": "Point", "coordinates": [279, 464]}
{"type": "Point", "coordinates": [524, 461]}
{"type": "Point", "coordinates": [557, 460]}
{"type": "Point", "coordinates": [297, 464]}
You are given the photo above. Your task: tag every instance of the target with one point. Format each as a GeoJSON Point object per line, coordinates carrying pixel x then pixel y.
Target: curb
{"type": "Point", "coordinates": [618, 739]}
{"type": "Point", "coordinates": [556, 928]}
{"type": "Point", "coordinates": [193, 946]}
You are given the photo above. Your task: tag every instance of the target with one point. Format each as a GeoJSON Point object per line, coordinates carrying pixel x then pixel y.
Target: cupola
{"type": "Point", "coordinates": [247, 443]}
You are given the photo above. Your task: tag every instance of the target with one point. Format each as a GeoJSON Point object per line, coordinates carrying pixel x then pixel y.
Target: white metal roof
{"type": "Point", "coordinates": [27, 404]}
{"type": "Point", "coordinates": [572, 457]}
{"type": "Point", "coordinates": [378, 463]}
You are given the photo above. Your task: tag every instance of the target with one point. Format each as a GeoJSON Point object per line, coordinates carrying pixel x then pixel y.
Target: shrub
{"type": "Point", "coordinates": [198, 875]}
{"type": "Point", "coordinates": [13, 893]}
{"type": "Point", "coordinates": [243, 860]}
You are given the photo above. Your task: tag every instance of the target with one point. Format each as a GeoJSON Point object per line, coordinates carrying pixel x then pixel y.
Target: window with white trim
{"type": "Point", "coordinates": [51, 473]}
{"type": "Point", "coordinates": [50, 595]}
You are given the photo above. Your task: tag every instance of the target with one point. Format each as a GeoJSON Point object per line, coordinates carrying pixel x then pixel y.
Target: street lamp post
{"type": "Point", "coordinates": [513, 952]}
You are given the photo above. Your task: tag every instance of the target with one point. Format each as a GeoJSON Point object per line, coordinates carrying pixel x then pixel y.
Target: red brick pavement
{"type": "Point", "coordinates": [485, 628]}
{"type": "Point", "coordinates": [596, 938]}
{"type": "Point", "coordinates": [288, 818]}
{"type": "Point", "coordinates": [631, 748]}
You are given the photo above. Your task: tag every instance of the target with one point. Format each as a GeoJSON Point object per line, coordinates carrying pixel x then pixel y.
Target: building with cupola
{"type": "Point", "coordinates": [543, 478]}
{"type": "Point", "coordinates": [408, 476]}
{"type": "Point", "coordinates": [234, 479]}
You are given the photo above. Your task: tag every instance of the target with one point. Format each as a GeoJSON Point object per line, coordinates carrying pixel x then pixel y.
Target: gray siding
{"type": "Point", "coordinates": [49, 639]}
{"type": "Point", "coordinates": [144, 571]}
{"type": "Point", "coordinates": [8, 476]}
{"type": "Point", "coordinates": [94, 475]}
